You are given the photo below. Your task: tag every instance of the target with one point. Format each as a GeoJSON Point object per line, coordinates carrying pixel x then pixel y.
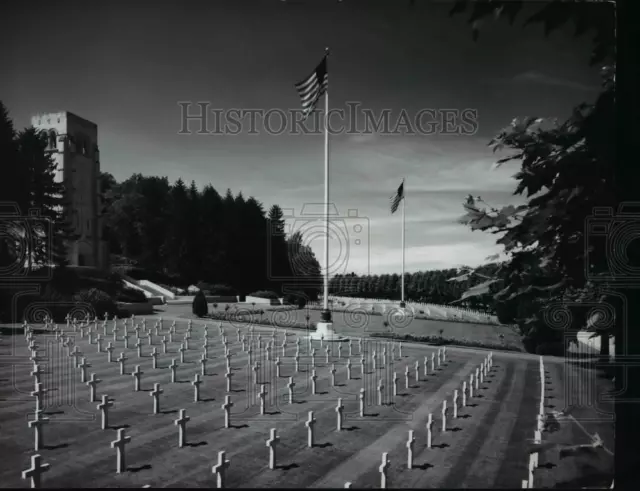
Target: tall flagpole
{"type": "Point", "coordinates": [402, 304]}
{"type": "Point", "coordinates": [326, 315]}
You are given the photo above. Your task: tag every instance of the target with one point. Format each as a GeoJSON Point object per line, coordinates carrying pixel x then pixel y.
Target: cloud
{"type": "Point", "coordinates": [536, 77]}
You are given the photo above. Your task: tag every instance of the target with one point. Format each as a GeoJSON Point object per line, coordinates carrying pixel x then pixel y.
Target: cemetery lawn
{"type": "Point", "coordinates": [486, 446]}
{"type": "Point", "coordinates": [365, 325]}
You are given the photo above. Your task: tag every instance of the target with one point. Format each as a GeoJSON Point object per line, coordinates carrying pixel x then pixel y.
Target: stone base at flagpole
{"type": "Point", "coordinates": [324, 331]}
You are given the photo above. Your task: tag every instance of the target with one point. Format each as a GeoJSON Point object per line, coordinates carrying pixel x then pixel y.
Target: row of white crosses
{"type": "Point", "coordinates": [384, 466]}
{"type": "Point", "coordinates": [537, 434]}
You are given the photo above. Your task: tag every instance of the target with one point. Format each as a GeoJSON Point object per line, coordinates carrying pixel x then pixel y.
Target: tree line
{"type": "Point", "coordinates": [181, 235]}
{"type": "Point", "coordinates": [435, 286]}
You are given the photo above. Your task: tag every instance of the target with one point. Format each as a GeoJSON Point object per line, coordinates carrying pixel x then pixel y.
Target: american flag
{"type": "Point", "coordinates": [312, 87]}
{"type": "Point", "coordinates": [395, 200]}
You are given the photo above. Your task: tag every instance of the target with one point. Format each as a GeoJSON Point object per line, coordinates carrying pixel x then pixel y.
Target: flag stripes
{"type": "Point", "coordinates": [313, 87]}
{"type": "Point", "coordinates": [397, 198]}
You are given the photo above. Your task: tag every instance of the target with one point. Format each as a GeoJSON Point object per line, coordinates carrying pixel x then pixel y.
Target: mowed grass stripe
{"type": "Point", "coordinates": [495, 449]}
{"type": "Point", "coordinates": [433, 464]}
{"type": "Point", "coordinates": [249, 455]}
{"type": "Point", "coordinates": [357, 433]}
{"type": "Point", "coordinates": [457, 474]}
{"type": "Point", "coordinates": [368, 458]}
{"type": "Point", "coordinates": [515, 459]}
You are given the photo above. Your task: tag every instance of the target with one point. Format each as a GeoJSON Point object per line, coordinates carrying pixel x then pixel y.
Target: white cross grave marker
{"type": "Point", "coordinates": [290, 386]}
{"type": "Point", "coordinates": [181, 423]}
{"type": "Point", "coordinates": [137, 373]}
{"type": "Point", "coordinates": [310, 423]}
{"type": "Point", "coordinates": [92, 383]}
{"type": "Point", "coordinates": [173, 367]}
{"type": "Point", "coordinates": [154, 356]}
{"type": "Point", "coordinates": [464, 393]}
{"type": "Point", "coordinates": [339, 410]}
{"type": "Point", "coordinates": [35, 471]}
{"type": "Point", "coordinates": [196, 387]}
{"type": "Point", "coordinates": [228, 376]}
{"type": "Point", "coordinates": [36, 424]}
{"type": "Point", "coordinates": [384, 467]}
{"type": "Point", "coordinates": [262, 394]}
{"type": "Point", "coordinates": [455, 403]}
{"type": "Point", "coordinates": [444, 415]}
{"type": "Point", "coordinates": [429, 425]}
{"type": "Point", "coordinates": [272, 442]}
{"type": "Point", "coordinates": [314, 377]}
{"type": "Point", "coordinates": [227, 411]}
{"type": "Point", "coordinates": [83, 370]}
{"type": "Point", "coordinates": [220, 469]}
{"type": "Point", "coordinates": [119, 445]}
{"type": "Point", "coordinates": [104, 408]}
{"type": "Point", "coordinates": [410, 442]}
{"type": "Point", "coordinates": [155, 393]}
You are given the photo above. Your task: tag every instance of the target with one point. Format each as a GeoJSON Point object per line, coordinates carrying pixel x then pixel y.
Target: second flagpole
{"type": "Point", "coordinates": [404, 199]}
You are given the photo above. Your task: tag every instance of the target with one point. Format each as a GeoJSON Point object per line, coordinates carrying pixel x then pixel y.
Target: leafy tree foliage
{"type": "Point", "coordinates": [566, 171]}
{"type": "Point", "coordinates": [192, 236]}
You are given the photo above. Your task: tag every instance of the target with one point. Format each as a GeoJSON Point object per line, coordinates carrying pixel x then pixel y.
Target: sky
{"type": "Point", "coordinates": [127, 66]}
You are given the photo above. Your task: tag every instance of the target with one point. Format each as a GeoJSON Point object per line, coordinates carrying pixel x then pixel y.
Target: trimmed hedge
{"type": "Point", "coordinates": [439, 341]}
{"type": "Point", "coordinates": [264, 294]}
{"type": "Point", "coordinates": [256, 318]}
{"type": "Point", "coordinates": [417, 316]}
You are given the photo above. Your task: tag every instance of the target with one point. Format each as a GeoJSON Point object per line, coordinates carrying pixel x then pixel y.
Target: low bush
{"type": "Point", "coordinates": [199, 305]}
{"type": "Point", "coordinates": [298, 299]}
{"type": "Point", "coordinates": [131, 295]}
{"type": "Point", "coordinates": [101, 302]}
{"type": "Point", "coordinates": [439, 341]}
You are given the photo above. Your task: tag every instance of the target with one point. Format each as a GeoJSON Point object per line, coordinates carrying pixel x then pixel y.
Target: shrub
{"type": "Point", "coordinates": [295, 298]}
{"type": "Point", "coordinates": [199, 306]}
{"type": "Point", "coordinates": [265, 294]}
{"type": "Point", "coordinates": [131, 295]}
{"type": "Point", "coordinates": [101, 302]}
{"type": "Point", "coordinates": [217, 289]}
